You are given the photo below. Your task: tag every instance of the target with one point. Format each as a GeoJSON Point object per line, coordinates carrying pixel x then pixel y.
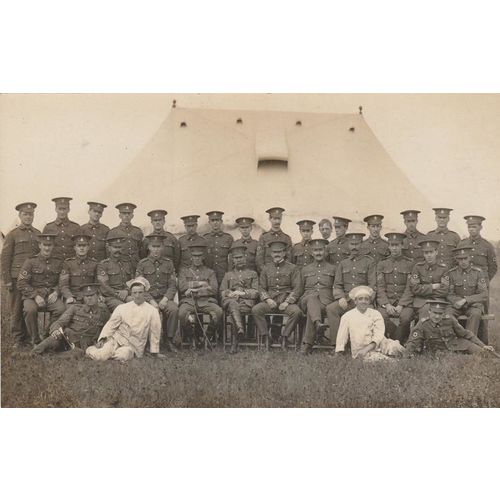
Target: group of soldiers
{"type": "Point", "coordinates": [80, 274]}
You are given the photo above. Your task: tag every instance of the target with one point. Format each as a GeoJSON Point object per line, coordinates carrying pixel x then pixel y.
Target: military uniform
{"type": "Point", "coordinates": [448, 240]}
{"type": "Point", "coordinates": [337, 250]}
{"type": "Point", "coordinates": [171, 247]}
{"type": "Point", "coordinates": [251, 246]}
{"type": "Point", "coordinates": [97, 233]}
{"type": "Point", "coordinates": [411, 248]}
{"type": "Point", "coordinates": [19, 244]}
{"type": "Point", "coordinates": [482, 255]}
{"type": "Point", "coordinates": [376, 248]}
{"type": "Point", "coordinates": [75, 272]}
{"type": "Point", "coordinates": [263, 255]}
{"type": "Point", "coordinates": [132, 241]}
{"type": "Point", "coordinates": [112, 275]}
{"type": "Point", "coordinates": [422, 277]}
{"type": "Point", "coordinates": [64, 231]}
{"type": "Point", "coordinates": [301, 254]}
{"type": "Point", "coordinates": [185, 242]}
{"type": "Point", "coordinates": [219, 244]}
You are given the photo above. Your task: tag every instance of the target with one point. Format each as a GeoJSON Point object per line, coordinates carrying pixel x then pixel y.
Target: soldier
{"type": "Point", "coordinates": [338, 249]}
{"type": "Point", "coordinates": [447, 239]}
{"type": "Point", "coordinates": [63, 228]}
{"type": "Point", "coordinates": [131, 235]}
{"type": "Point", "coordinates": [394, 298]}
{"type": "Point", "coordinates": [114, 272]}
{"type": "Point", "coordinates": [160, 273]}
{"type": "Point", "coordinates": [482, 253]}
{"type": "Point", "coordinates": [198, 290]}
{"type": "Point", "coordinates": [38, 284]}
{"type": "Point", "coordinates": [20, 244]}
{"type": "Point", "coordinates": [468, 289]}
{"type": "Point", "coordinates": [190, 238]}
{"type": "Point", "coordinates": [357, 269]}
{"type": "Point", "coordinates": [318, 279]}
{"type": "Point", "coordinates": [77, 271]}
{"type": "Point", "coordinates": [219, 244]}
{"type": "Point", "coordinates": [374, 245]}
{"type": "Point", "coordinates": [263, 255]}
{"type": "Point", "coordinates": [411, 248]}
{"type": "Point", "coordinates": [325, 228]}
{"type": "Point", "coordinates": [245, 227]}
{"type": "Point", "coordinates": [79, 326]}
{"type": "Point", "coordinates": [280, 287]}
{"type": "Point", "coordinates": [301, 252]}
{"type": "Point", "coordinates": [171, 248]}
{"type": "Point", "coordinates": [96, 231]}
{"type": "Point", "coordinates": [428, 280]}
{"type": "Point", "coordinates": [439, 331]}
{"type": "Point", "coordinates": [239, 292]}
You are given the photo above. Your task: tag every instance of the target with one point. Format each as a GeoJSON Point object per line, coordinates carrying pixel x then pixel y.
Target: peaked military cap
{"type": "Point", "coordinates": [155, 239]}
{"type": "Point", "coordinates": [275, 211]}
{"type": "Point", "coordinates": [215, 214]}
{"type": "Point", "coordinates": [197, 248]}
{"type": "Point", "coordinates": [373, 219]}
{"type": "Point", "coordinates": [341, 220]}
{"type": "Point", "coordinates": [474, 219]}
{"type": "Point", "coordinates": [318, 243]}
{"type": "Point", "coordinates": [157, 214]}
{"type": "Point", "coordinates": [358, 237]}
{"type": "Point", "coordinates": [112, 239]}
{"type": "Point", "coordinates": [462, 252]}
{"type": "Point", "coordinates": [47, 237]}
{"type": "Point", "coordinates": [27, 206]}
{"type": "Point", "coordinates": [438, 305]}
{"type": "Point", "coordinates": [126, 207]}
{"type": "Point", "coordinates": [442, 211]}
{"type": "Point", "coordinates": [96, 205]}
{"type": "Point", "coordinates": [90, 289]}
{"type": "Point", "coordinates": [395, 237]}
{"type": "Point", "coordinates": [81, 238]}
{"type": "Point", "coordinates": [277, 244]}
{"type": "Point", "coordinates": [62, 201]}
{"type": "Point", "coordinates": [190, 218]}
{"type": "Point", "coordinates": [244, 221]}
{"type": "Point", "coordinates": [238, 248]}
{"type": "Point", "coordinates": [410, 214]}
{"type": "Point", "coordinates": [429, 243]}
{"type": "Point", "coordinates": [306, 224]}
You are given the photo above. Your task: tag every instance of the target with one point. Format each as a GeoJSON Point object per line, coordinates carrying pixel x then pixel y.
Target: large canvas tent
{"type": "Point", "coordinates": [242, 162]}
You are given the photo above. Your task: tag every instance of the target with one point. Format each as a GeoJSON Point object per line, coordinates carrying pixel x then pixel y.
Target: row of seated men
{"type": "Point", "coordinates": [314, 290]}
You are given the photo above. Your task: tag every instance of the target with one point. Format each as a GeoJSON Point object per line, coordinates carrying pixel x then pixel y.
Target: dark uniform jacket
{"type": "Point", "coordinates": [448, 335]}
{"type": "Point", "coordinates": [470, 284]}
{"type": "Point", "coordinates": [171, 247]}
{"type": "Point", "coordinates": [422, 277]}
{"type": "Point", "coordinates": [113, 274]}
{"type": "Point", "coordinates": [281, 282]}
{"type": "Point", "coordinates": [132, 246]}
{"type": "Point", "coordinates": [185, 241]}
{"type": "Point", "coordinates": [76, 272]}
{"type": "Point", "coordinates": [20, 244]}
{"type": "Point", "coordinates": [448, 240]}
{"type": "Point", "coordinates": [244, 280]}
{"type": "Point", "coordinates": [263, 255]}
{"type": "Point", "coordinates": [392, 281]}
{"type": "Point", "coordinates": [483, 255]}
{"type": "Point", "coordinates": [377, 248]}
{"type": "Point", "coordinates": [98, 233]}
{"type": "Point", "coordinates": [354, 271]}
{"type": "Point", "coordinates": [251, 245]}
{"type": "Point", "coordinates": [301, 254]}
{"type": "Point", "coordinates": [161, 276]}
{"type": "Point", "coordinates": [39, 276]}
{"type": "Point", "coordinates": [411, 248]}
{"type": "Point", "coordinates": [189, 277]}
{"type": "Point", "coordinates": [219, 244]}
{"type": "Point", "coordinates": [318, 279]}
{"type": "Point", "coordinates": [63, 244]}
{"type": "Point", "coordinates": [337, 250]}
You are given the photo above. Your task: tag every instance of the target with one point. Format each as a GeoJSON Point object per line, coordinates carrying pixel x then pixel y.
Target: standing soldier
{"type": "Point", "coordinates": [394, 298]}
{"type": "Point", "coordinates": [280, 287]}
{"type": "Point", "coordinates": [198, 290]}
{"type": "Point", "coordinates": [239, 292]}
{"type": "Point", "coordinates": [77, 271]}
{"type": "Point", "coordinates": [468, 289]}
{"type": "Point", "coordinates": [190, 238]}
{"type": "Point", "coordinates": [20, 244]}
{"type": "Point", "coordinates": [357, 269]}
{"type": "Point", "coordinates": [96, 231]}
{"type": "Point", "coordinates": [131, 235]}
{"type": "Point", "coordinates": [219, 244]}
{"type": "Point", "coordinates": [411, 248]}
{"type": "Point", "coordinates": [318, 279]}
{"type": "Point", "coordinates": [113, 274]}
{"type": "Point", "coordinates": [338, 249]}
{"type": "Point", "coordinates": [325, 228]}
{"type": "Point", "coordinates": [429, 279]}
{"type": "Point", "coordinates": [38, 284]}
{"type": "Point", "coordinates": [374, 246]}
{"type": "Point", "coordinates": [301, 252]}
{"type": "Point", "coordinates": [245, 227]}
{"type": "Point", "coordinates": [263, 255]}
{"type": "Point", "coordinates": [160, 272]}
{"type": "Point", "coordinates": [63, 228]}
{"type": "Point", "coordinates": [171, 248]}
{"type": "Point", "coordinates": [447, 239]}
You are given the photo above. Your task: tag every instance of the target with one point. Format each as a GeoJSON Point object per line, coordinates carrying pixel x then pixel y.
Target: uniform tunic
{"type": "Point", "coordinates": [251, 245]}
{"type": "Point", "coordinates": [112, 275]}
{"type": "Point", "coordinates": [185, 241]}
{"type": "Point", "coordinates": [355, 270]}
{"type": "Point", "coordinates": [97, 233]}
{"type": "Point", "coordinates": [132, 245]}
{"type": "Point", "coordinates": [482, 255]}
{"type": "Point", "coordinates": [244, 280]}
{"type": "Point", "coordinates": [301, 254]}
{"type": "Point", "coordinates": [338, 250]}
{"type": "Point", "coordinates": [392, 281]}
{"type": "Point", "coordinates": [422, 277]}
{"type": "Point", "coordinates": [76, 272]}
{"type": "Point", "coordinates": [171, 247]}
{"type": "Point", "coordinates": [448, 240]}
{"type": "Point", "coordinates": [39, 276]}
{"type": "Point", "coordinates": [63, 243]}
{"type": "Point", "coordinates": [263, 255]}
{"type": "Point", "coordinates": [377, 248]}
{"type": "Point", "coordinates": [411, 248]}
{"type": "Point", "coordinates": [219, 244]}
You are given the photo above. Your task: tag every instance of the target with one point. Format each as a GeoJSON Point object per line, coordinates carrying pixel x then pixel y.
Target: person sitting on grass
{"type": "Point", "coordinates": [131, 325]}
{"type": "Point", "coordinates": [364, 328]}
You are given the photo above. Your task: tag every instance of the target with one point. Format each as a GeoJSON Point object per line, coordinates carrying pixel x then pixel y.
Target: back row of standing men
{"type": "Point", "coordinates": [123, 252]}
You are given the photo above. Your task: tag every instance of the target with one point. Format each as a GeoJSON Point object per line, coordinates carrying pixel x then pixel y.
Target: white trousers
{"type": "Point", "coordinates": [110, 350]}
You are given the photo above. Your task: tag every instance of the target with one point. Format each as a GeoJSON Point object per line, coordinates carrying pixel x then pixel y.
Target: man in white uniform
{"type": "Point", "coordinates": [129, 328]}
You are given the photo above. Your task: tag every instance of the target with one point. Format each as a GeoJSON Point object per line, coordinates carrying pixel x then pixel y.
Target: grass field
{"type": "Point", "coordinates": [253, 379]}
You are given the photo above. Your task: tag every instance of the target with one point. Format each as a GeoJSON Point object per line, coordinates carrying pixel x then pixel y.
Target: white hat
{"type": "Point", "coordinates": [360, 291]}
{"type": "Point", "coordinates": [139, 280]}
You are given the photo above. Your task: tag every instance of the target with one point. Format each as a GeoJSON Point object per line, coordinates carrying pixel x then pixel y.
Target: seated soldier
{"type": "Point", "coordinates": [79, 326]}
{"type": "Point", "coordinates": [442, 332]}
{"type": "Point", "coordinates": [239, 292]}
{"type": "Point", "coordinates": [198, 290]}
{"type": "Point", "coordinates": [468, 289]}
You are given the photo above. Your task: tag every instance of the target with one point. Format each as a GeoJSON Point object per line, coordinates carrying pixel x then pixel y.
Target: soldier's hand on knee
{"type": "Point", "coordinates": [40, 302]}
{"type": "Point", "coordinates": [52, 298]}
{"type": "Point", "coordinates": [283, 306]}
{"type": "Point", "coordinates": [163, 303]}
{"type": "Point", "coordinates": [343, 303]}
{"type": "Point", "coordinates": [71, 300]}
{"type": "Point", "coordinates": [391, 310]}
{"type": "Point", "coordinates": [398, 309]}
{"type": "Point", "coordinates": [122, 295]}
{"type": "Point", "coordinates": [271, 303]}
